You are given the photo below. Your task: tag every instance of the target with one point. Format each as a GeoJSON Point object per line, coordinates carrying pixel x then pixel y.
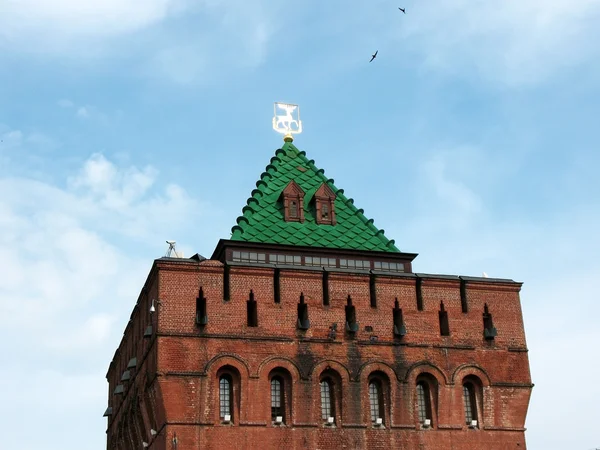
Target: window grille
{"type": "Point", "coordinates": [225, 396]}
{"type": "Point", "coordinates": [276, 398]}
{"type": "Point", "coordinates": [423, 402]}
{"type": "Point", "coordinates": [470, 405]}
{"type": "Point", "coordinates": [375, 401]}
{"type": "Point", "coordinates": [326, 400]}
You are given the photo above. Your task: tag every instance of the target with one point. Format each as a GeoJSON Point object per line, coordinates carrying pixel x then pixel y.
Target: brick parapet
{"type": "Point", "coordinates": [177, 383]}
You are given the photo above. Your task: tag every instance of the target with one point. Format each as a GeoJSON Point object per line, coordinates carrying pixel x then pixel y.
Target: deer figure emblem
{"type": "Point", "coordinates": [284, 122]}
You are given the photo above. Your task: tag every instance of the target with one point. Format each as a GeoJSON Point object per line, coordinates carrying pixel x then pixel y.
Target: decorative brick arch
{"type": "Point", "coordinates": [465, 370]}
{"type": "Point", "coordinates": [325, 364]}
{"type": "Point", "coordinates": [278, 361]}
{"type": "Point", "coordinates": [425, 367]}
{"type": "Point", "coordinates": [227, 359]}
{"type": "Point", "coordinates": [377, 366]}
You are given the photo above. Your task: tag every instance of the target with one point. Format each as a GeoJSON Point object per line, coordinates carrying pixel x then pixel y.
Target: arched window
{"type": "Point", "coordinates": [327, 399]}
{"type": "Point", "coordinates": [226, 397]}
{"type": "Point", "coordinates": [376, 401]}
{"type": "Point", "coordinates": [293, 209]}
{"type": "Point", "coordinates": [472, 400]}
{"type": "Point", "coordinates": [325, 211]}
{"type": "Point", "coordinates": [424, 402]}
{"type": "Point", "coordinates": [427, 394]}
{"type": "Point", "coordinates": [470, 403]}
{"type": "Point", "coordinates": [277, 400]}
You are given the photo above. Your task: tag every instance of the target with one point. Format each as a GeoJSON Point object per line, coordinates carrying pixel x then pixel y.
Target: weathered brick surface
{"type": "Point", "coordinates": [175, 383]}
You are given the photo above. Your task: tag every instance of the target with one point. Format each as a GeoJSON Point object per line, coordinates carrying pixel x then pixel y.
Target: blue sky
{"type": "Point", "coordinates": [125, 123]}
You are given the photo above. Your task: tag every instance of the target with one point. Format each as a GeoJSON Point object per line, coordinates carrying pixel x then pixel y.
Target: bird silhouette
{"type": "Point", "coordinates": [374, 55]}
{"type": "Point", "coordinates": [402, 9]}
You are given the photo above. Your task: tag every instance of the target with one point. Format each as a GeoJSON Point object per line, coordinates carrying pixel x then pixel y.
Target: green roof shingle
{"type": "Point", "coordinates": [262, 218]}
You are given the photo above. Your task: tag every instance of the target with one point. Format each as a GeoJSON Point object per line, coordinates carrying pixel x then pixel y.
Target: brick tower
{"type": "Point", "coordinates": [308, 329]}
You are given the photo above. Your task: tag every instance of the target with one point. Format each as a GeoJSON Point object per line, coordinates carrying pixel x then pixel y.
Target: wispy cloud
{"type": "Point", "coordinates": [70, 276]}
{"type": "Point", "coordinates": [84, 112]}
{"type": "Point", "coordinates": [184, 41]}
{"type": "Point", "coordinates": [71, 18]}
{"type": "Point", "coordinates": [513, 41]}
{"type": "Point", "coordinates": [457, 230]}
{"type": "Point", "coordinates": [65, 103]}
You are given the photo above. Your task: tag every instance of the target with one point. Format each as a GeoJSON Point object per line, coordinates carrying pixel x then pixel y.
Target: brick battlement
{"type": "Point", "coordinates": [174, 387]}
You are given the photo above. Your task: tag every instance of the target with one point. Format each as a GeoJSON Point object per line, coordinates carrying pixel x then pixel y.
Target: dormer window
{"type": "Point", "coordinates": [324, 201]}
{"type": "Point", "coordinates": [293, 202]}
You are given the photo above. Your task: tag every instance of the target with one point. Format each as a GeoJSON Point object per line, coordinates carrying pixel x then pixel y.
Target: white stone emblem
{"type": "Point", "coordinates": [287, 123]}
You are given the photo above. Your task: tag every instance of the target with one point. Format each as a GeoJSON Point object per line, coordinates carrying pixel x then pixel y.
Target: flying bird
{"type": "Point", "coordinates": [402, 9]}
{"type": "Point", "coordinates": [374, 55]}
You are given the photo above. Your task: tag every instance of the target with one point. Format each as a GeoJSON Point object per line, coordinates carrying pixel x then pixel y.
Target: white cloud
{"type": "Point", "coordinates": [71, 275]}
{"type": "Point", "coordinates": [65, 103]}
{"type": "Point", "coordinates": [184, 41]}
{"type": "Point", "coordinates": [11, 138]}
{"type": "Point", "coordinates": [82, 113]}
{"type": "Point", "coordinates": [57, 239]}
{"type": "Point", "coordinates": [456, 231]}
{"type": "Point", "coordinates": [88, 335]}
{"type": "Point", "coordinates": [513, 41]}
{"type": "Point", "coordinates": [115, 189]}
{"type": "Point", "coordinates": [76, 18]}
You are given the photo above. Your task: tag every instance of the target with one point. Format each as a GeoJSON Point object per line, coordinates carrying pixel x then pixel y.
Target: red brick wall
{"type": "Point", "coordinates": [179, 364]}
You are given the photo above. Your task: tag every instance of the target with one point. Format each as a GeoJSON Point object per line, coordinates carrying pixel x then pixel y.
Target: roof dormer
{"type": "Point", "coordinates": [324, 200]}
{"type": "Point", "coordinates": [293, 202]}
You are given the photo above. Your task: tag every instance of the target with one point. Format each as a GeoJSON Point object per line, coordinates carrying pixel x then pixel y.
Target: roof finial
{"type": "Point", "coordinates": [286, 123]}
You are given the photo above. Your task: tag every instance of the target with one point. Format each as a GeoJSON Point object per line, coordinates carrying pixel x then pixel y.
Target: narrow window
{"type": "Point", "coordinates": [325, 211]}
{"type": "Point", "coordinates": [201, 316]}
{"type": "Point", "coordinates": [327, 405]}
{"type": "Point", "coordinates": [293, 209]}
{"type": "Point", "coordinates": [399, 327]}
{"type": "Point", "coordinates": [276, 286]}
{"type": "Point", "coordinates": [419, 294]}
{"type": "Point", "coordinates": [470, 403]}
{"type": "Point", "coordinates": [325, 288]}
{"type": "Point", "coordinates": [225, 397]}
{"type": "Point", "coordinates": [463, 296]}
{"type": "Point", "coordinates": [372, 291]}
{"type": "Point", "coordinates": [303, 322]}
{"type": "Point", "coordinates": [444, 325]}
{"type": "Point", "coordinates": [376, 401]}
{"type": "Point", "coordinates": [277, 400]}
{"type": "Point", "coordinates": [423, 402]}
{"type": "Point", "coordinates": [251, 310]}
{"type": "Point", "coordinates": [226, 283]}
{"type": "Point", "coordinates": [351, 323]}
{"type": "Point", "coordinates": [489, 331]}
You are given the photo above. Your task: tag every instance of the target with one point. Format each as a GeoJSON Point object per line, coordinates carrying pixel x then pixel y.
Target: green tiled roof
{"type": "Point", "coordinates": [263, 217]}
